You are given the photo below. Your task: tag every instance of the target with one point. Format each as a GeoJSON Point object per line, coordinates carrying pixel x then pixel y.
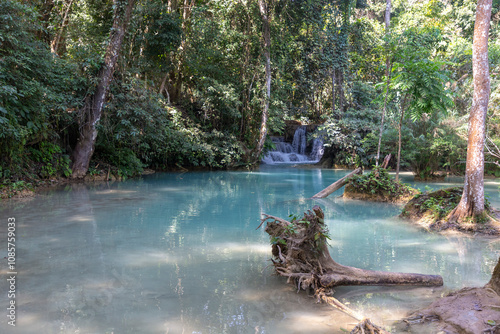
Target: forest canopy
{"type": "Point", "coordinates": [189, 84]}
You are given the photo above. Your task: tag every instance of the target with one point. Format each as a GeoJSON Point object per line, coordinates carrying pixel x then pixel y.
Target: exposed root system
{"type": "Point", "coordinates": [367, 327]}
{"type": "Point", "coordinates": [300, 253]}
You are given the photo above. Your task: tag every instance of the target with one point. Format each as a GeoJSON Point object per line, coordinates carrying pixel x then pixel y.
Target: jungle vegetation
{"type": "Point", "coordinates": [198, 83]}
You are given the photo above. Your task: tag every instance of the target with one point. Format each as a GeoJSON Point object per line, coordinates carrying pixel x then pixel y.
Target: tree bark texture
{"type": "Point", "coordinates": [339, 89]}
{"type": "Point", "coordinates": [388, 81]}
{"type": "Point", "coordinates": [472, 202]}
{"type": "Point", "coordinates": [333, 92]}
{"type": "Point", "coordinates": [494, 282]}
{"type": "Point", "coordinates": [337, 184]}
{"type": "Point", "coordinates": [92, 110]}
{"type": "Point", "coordinates": [387, 15]}
{"type": "Point", "coordinates": [403, 106]}
{"type": "Point", "coordinates": [300, 252]}
{"type": "Point", "coordinates": [266, 33]}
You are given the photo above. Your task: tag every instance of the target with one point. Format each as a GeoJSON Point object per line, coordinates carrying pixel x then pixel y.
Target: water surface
{"type": "Point", "coordinates": [180, 253]}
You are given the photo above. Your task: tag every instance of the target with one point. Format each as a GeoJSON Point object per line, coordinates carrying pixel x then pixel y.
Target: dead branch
{"type": "Point", "coordinates": [337, 184]}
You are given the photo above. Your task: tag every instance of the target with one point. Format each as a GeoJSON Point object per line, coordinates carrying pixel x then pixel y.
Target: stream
{"type": "Point", "coordinates": [180, 253]}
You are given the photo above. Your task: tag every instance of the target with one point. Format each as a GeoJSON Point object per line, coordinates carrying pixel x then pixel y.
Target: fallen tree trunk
{"type": "Point", "coordinates": [337, 184]}
{"type": "Point", "coordinates": [300, 252]}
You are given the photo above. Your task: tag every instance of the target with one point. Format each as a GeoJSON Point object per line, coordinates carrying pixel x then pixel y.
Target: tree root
{"type": "Point", "coordinates": [300, 253]}
{"type": "Point", "coordinates": [367, 327]}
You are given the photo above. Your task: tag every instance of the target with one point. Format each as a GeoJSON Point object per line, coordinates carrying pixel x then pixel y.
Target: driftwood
{"type": "Point", "coordinates": [300, 253]}
{"type": "Point", "coordinates": [337, 184]}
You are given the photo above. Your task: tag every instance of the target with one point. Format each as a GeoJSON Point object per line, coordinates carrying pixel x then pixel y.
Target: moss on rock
{"type": "Point", "coordinates": [378, 186]}
{"type": "Point", "coordinates": [431, 210]}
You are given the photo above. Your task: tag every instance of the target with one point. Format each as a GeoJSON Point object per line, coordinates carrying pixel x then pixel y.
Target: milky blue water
{"type": "Point", "coordinates": [180, 253]}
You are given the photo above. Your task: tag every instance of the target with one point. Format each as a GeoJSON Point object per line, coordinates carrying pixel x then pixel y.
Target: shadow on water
{"type": "Point", "coordinates": [174, 253]}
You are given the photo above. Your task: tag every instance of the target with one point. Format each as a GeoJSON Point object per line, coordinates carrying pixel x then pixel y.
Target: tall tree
{"type": "Point", "coordinates": [388, 78]}
{"type": "Point", "coordinates": [55, 45]}
{"type": "Point", "coordinates": [91, 112]}
{"type": "Point", "coordinates": [342, 48]}
{"type": "Point", "coordinates": [472, 202]}
{"type": "Point", "coordinates": [266, 36]}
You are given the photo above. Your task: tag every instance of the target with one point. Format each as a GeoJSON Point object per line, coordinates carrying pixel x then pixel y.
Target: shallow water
{"type": "Point", "coordinates": [180, 253]}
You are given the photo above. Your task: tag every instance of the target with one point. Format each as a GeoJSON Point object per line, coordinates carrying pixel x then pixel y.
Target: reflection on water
{"type": "Point", "coordinates": [179, 253]}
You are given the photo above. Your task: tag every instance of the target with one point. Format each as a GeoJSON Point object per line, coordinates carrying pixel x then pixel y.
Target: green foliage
{"type": "Point", "coordinates": [317, 233]}
{"type": "Point", "coordinates": [344, 137]}
{"type": "Point", "coordinates": [378, 181]}
{"type": "Point", "coordinates": [11, 189]}
{"type": "Point", "coordinates": [209, 58]}
{"type": "Point", "coordinates": [51, 160]}
{"type": "Point", "coordinates": [20, 186]}
{"type": "Point", "coordinates": [126, 162]}
{"type": "Point", "coordinates": [140, 130]}
{"type": "Point", "coordinates": [428, 146]}
{"type": "Point", "coordinates": [422, 82]}
{"type": "Point", "coordinates": [36, 89]}
{"type": "Point", "coordinates": [438, 203]}
{"type": "Point", "coordinates": [161, 35]}
{"type": "Point", "coordinates": [277, 241]}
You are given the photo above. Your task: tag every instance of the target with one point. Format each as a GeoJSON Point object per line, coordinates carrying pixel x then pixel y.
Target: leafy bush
{"type": "Point", "coordinates": [140, 130]}
{"type": "Point", "coordinates": [36, 90]}
{"type": "Point", "coordinates": [344, 137]}
{"type": "Point", "coordinates": [51, 160]}
{"type": "Point", "coordinates": [378, 181]}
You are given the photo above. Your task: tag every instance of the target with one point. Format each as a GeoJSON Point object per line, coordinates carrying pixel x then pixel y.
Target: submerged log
{"type": "Point", "coordinates": [337, 184]}
{"type": "Point", "coordinates": [300, 252]}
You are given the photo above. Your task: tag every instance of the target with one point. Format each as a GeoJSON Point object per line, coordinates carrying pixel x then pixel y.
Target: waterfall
{"type": "Point", "coordinates": [317, 150]}
{"type": "Point", "coordinates": [299, 140]}
{"type": "Point", "coordinates": [297, 151]}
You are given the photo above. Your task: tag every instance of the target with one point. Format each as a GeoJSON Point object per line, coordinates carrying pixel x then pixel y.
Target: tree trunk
{"type": "Point", "coordinates": [177, 76]}
{"type": "Point", "coordinates": [333, 92]}
{"type": "Point", "coordinates": [494, 282]}
{"type": "Point", "coordinates": [388, 76]}
{"type": "Point", "coordinates": [403, 106]}
{"type": "Point", "coordinates": [266, 32]}
{"type": "Point", "coordinates": [337, 184]}
{"type": "Point", "coordinates": [163, 88]}
{"type": "Point", "coordinates": [472, 202]}
{"type": "Point", "coordinates": [55, 45]}
{"type": "Point", "coordinates": [300, 252]}
{"type": "Point", "coordinates": [92, 110]}
{"type": "Point", "coordinates": [387, 15]}
{"type": "Point", "coordinates": [339, 89]}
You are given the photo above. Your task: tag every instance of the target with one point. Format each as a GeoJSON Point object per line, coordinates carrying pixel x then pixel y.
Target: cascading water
{"type": "Point", "coordinates": [299, 140]}
{"type": "Point", "coordinates": [296, 152]}
{"type": "Point", "coordinates": [317, 150]}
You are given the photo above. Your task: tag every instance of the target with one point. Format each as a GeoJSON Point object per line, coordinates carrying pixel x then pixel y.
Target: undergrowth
{"type": "Point", "coordinates": [379, 182]}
